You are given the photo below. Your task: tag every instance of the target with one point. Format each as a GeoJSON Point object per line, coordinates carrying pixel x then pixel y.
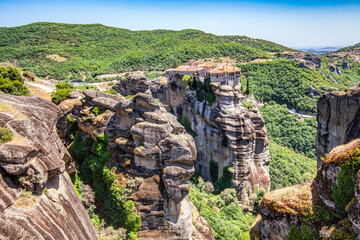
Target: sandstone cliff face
{"type": "Point", "coordinates": [171, 93]}
{"type": "Point", "coordinates": [37, 199]}
{"type": "Point", "coordinates": [233, 136]}
{"type": "Point", "coordinates": [150, 143]}
{"type": "Point", "coordinates": [307, 60]}
{"type": "Point", "coordinates": [329, 206]}
{"type": "Point", "coordinates": [132, 83]}
{"type": "Point", "coordinates": [338, 120]}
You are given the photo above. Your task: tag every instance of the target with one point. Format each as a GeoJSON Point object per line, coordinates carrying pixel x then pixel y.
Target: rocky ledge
{"type": "Point", "coordinates": [37, 199]}
{"type": "Point", "coordinates": [326, 208]}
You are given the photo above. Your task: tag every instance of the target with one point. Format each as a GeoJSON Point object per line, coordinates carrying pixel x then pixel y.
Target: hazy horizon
{"type": "Point", "coordinates": [306, 24]}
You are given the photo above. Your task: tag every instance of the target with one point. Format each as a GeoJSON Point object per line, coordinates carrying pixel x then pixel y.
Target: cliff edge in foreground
{"type": "Point", "coordinates": [37, 198]}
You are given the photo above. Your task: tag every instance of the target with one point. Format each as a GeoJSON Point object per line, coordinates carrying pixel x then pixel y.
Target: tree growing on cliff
{"type": "Point", "coordinates": [62, 92]}
{"type": "Point", "coordinates": [214, 170]}
{"type": "Point", "coordinates": [5, 135]}
{"type": "Point", "coordinates": [11, 82]}
{"type": "Point", "coordinates": [209, 94]}
{"type": "Point", "coordinates": [91, 158]}
{"type": "Point", "coordinates": [247, 90]}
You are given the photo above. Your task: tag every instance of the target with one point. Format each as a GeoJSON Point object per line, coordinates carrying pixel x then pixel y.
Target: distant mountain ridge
{"type": "Point", "coordinates": [320, 50]}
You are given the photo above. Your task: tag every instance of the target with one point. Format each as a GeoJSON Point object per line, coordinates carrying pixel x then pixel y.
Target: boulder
{"type": "Point", "coordinates": [313, 92]}
{"type": "Point", "coordinates": [335, 69]}
{"type": "Point", "coordinates": [345, 65]}
{"type": "Point", "coordinates": [132, 83]}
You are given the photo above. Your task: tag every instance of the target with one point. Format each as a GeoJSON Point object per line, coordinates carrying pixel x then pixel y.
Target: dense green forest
{"type": "Point", "coordinates": [259, 44]}
{"type": "Point", "coordinates": [221, 211]}
{"type": "Point", "coordinates": [285, 82]}
{"type": "Point", "coordinates": [288, 130]}
{"type": "Point", "coordinates": [289, 168]}
{"type": "Point", "coordinates": [292, 147]}
{"type": "Point", "coordinates": [94, 49]}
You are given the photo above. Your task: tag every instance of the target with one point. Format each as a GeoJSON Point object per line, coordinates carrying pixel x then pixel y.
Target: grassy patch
{"type": "Point", "coordinates": [26, 200]}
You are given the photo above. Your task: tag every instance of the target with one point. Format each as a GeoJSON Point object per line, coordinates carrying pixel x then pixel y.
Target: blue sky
{"type": "Point", "coordinates": [303, 23]}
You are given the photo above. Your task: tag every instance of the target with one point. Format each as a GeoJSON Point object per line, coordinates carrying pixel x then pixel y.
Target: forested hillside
{"type": "Point", "coordinates": [349, 48]}
{"type": "Point", "coordinates": [94, 49]}
{"type": "Point", "coordinates": [78, 52]}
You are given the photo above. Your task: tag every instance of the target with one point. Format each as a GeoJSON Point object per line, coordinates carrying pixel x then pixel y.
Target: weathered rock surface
{"type": "Point", "coordinates": [37, 199]}
{"type": "Point", "coordinates": [233, 136]}
{"type": "Point", "coordinates": [345, 65]}
{"type": "Point", "coordinates": [132, 83]}
{"type": "Point", "coordinates": [313, 92]}
{"type": "Point", "coordinates": [201, 228]}
{"type": "Point", "coordinates": [308, 60]}
{"type": "Point", "coordinates": [159, 89]}
{"type": "Point", "coordinates": [171, 93]}
{"type": "Point", "coordinates": [152, 145]}
{"type": "Point", "coordinates": [315, 205]}
{"type": "Point", "coordinates": [338, 119]}
{"type": "Point", "coordinates": [335, 70]}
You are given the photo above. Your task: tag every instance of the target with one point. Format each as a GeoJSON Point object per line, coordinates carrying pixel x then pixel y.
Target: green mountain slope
{"type": "Point", "coordinates": [95, 49]}
{"type": "Point", "coordinates": [259, 44]}
{"type": "Point", "coordinates": [349, 48]}
{"type": "Point", "coordinates": [78, 52]}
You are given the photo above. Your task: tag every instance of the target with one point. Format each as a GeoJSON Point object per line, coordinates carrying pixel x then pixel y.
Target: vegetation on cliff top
{"type": "Point", "coordinates": [11, 81]}
{"type": "Point", "coordinates": [348, 158]}
{"type": "Point", "coordinates": [62, 92]}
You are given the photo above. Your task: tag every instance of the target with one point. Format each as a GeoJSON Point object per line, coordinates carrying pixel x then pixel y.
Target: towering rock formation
{"type": "Point", "coordinates": [227, 132]}
{"type": "Point", "coordinates": [37, 199]}
{"type": "Point", "coordinates": [149, 144]}
{"type": "Point", "coordinates": [329, 206]}
{"type": "Point", "coordinates": [233, 136]}
{"type": "Point", "coordinates": [338, 120]}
